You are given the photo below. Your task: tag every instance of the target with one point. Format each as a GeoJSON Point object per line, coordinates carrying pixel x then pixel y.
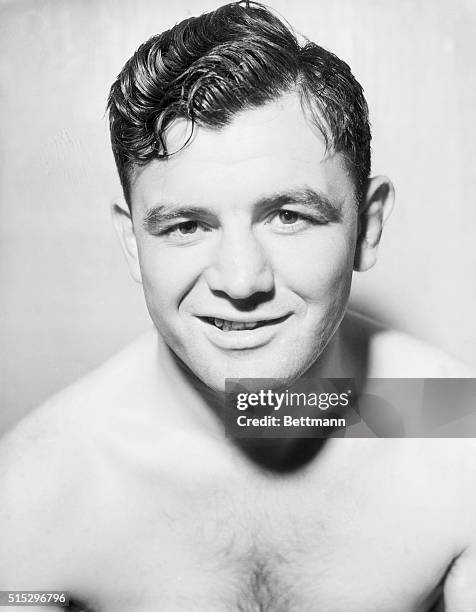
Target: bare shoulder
{"type": "Point", "coordinates": [43, 462]}
{"type": "Point", "coordinates": [89, 400]}
{"type": "Point", "coordinates": [52, 464]}
{"type": "Point", "coordinates": [393, 354]}
{"type": "Point", "coordinates": [70, 419]}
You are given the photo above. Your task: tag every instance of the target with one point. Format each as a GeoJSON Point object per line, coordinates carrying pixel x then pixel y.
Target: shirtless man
{"type": "Point", "coordinates": [244, 232]}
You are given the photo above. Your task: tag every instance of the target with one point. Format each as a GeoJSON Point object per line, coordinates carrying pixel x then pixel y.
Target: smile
{"type": "Point", "coordinates": [237, 335]}
{"type": "Point", "coordinates": [227, 325]}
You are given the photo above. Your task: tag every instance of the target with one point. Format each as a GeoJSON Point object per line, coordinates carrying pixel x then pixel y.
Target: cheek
{"type": "Point", "coordinates": [167, 275]}
{"type": "Point", "coordinates": [318, 268]}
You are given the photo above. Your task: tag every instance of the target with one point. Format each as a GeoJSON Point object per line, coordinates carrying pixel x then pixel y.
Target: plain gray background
{"type": "Point", "coordinates": [66, 300]}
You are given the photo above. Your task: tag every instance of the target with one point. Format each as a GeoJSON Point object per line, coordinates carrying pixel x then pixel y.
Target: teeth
{"type": "Point", "coordinates": [234, 325]}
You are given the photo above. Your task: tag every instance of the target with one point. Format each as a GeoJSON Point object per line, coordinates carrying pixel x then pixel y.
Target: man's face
{"type": "Point", "coordinates": [246, 243]}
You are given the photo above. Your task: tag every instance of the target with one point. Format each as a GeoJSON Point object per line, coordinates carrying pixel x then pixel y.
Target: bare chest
{"type": "Point", "coordinates": [244, 546]}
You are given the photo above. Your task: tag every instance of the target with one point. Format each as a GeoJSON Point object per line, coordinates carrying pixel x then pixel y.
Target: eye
{"type": "Point", "coordinates": [185, 232]}
{"type": "Point", "coordinates": [186, 227]}
{"type": "Point", "coordinates": [288, 221]}
{"type": "Point", "coordinates": [288, 217]}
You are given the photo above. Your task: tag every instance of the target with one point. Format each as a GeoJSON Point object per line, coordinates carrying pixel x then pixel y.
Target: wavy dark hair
{"type": "Point", "coordinates": [208, 68]}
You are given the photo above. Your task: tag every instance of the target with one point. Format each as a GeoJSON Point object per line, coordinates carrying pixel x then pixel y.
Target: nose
{"type": "Point", "coordinates": [240, 267]}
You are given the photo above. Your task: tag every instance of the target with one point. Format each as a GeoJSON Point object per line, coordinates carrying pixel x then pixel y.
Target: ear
{"type": "Point", "coordinates": [122, 220]}
{"type": "Point", "coordinates": [373, 214]}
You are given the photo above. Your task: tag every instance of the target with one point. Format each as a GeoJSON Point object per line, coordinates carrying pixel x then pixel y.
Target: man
{"type": "Point", "coordinates": [244, 158]}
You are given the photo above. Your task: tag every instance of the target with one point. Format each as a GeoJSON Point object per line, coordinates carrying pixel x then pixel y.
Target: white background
{"type": "Point", "coordinates": [66, 301]}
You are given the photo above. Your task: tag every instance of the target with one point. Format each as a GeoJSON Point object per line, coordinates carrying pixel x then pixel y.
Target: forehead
{"type": "Point", "coordinates": [272, 148]}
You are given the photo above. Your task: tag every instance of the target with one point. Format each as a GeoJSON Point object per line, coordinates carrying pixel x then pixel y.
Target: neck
{"type": "Point", "coordinates": [203, 408]}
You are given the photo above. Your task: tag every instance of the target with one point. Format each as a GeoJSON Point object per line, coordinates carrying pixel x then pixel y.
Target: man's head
{"type": "Point", "coordinates": [244, 159]}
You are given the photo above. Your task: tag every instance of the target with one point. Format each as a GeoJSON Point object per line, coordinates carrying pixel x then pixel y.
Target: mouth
{"type": "Point", "coordinates": [227, 325]}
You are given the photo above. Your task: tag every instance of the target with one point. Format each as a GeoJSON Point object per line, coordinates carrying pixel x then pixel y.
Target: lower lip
{"type": "Point", "coordinates": [242, 339]}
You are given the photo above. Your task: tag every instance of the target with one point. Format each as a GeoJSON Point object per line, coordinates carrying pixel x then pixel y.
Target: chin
{"type": "Point", "coordinates": [285, 372]}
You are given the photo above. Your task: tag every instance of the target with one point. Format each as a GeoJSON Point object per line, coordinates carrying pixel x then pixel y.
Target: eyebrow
{"type": "Point", "coordinates": [160, 214]}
